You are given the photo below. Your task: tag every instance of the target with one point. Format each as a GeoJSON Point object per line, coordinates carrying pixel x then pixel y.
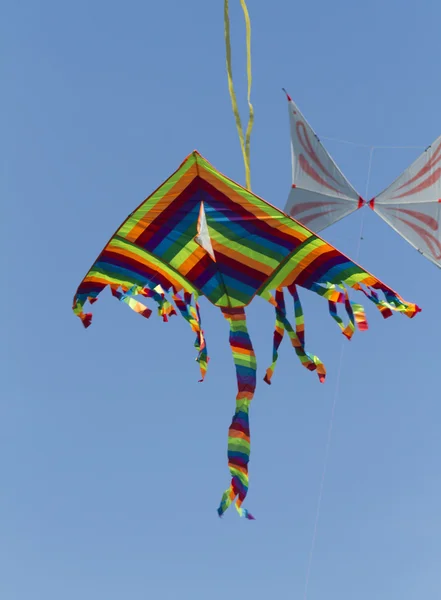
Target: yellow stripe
{"type": "Point", "coordinates": [244, 143]}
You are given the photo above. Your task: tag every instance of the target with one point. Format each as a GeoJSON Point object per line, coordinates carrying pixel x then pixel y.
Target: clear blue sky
{"type": "Point", "coordinates": [112, 457]}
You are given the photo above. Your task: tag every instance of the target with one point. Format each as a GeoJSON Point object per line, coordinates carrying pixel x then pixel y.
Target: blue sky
{"type": "Point", "coordinates": [112, 457]}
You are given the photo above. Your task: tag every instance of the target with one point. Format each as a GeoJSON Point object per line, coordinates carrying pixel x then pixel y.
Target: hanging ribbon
{"type": "Point", "coordinates": [193, 317]}
{"type": "Point", "coordinates": [244, 143]}
{"type": "Point", "coordinates": [239, 431]}
{"type": "Point", "coordinates": [279, 333]}
{"type": "Point", "coordinates": [298, 313]}
{"type": "Point", "coordinates": [309, 361]}
{"type": "Point", "coordinates": [349, 329]}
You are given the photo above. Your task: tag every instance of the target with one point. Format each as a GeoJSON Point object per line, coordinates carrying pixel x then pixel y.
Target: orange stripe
{"type": "Point", "coordinates": [245, 396]}
{"type": "Point", "coordinates": [246, 260]}
{"type": "Point", "coordinates": [303, 265]}
{"type": "Point", "coordinates": [239, 435]}
{"type": "Point", "coordinates": [190, 262]}
{"type": "Point", "coordinates": [238, 350]}
{"type": "Point", "coordinates": [243, 470]}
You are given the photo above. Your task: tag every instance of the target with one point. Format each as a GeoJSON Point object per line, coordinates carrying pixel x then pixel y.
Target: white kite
{"type": "Point", "coordinates": [321, 195]}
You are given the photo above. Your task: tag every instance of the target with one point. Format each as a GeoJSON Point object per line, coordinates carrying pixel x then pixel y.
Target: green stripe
{"type": "Point", "coordinates": [152, 260]}
{"type": "Point", "coordinates": [247, 247]}
{"type": "Point", "coordinates": [151, 201]}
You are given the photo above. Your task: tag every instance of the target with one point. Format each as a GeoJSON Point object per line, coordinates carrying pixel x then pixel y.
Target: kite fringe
{"type": "Point", "coordinates": [165, 310]}
{"type": "Point", "coordinates": [355, 312]}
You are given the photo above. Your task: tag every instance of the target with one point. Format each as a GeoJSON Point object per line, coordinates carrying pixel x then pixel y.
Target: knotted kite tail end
{"type": "Point", "coordinates": [243, 512]}
{"type": "Point", "coordinates": [393, 302]}
{"type": "Point", "coordinates": [268, 375]}
{"type": "Point", "coordinates": [193, 317]}
{"type": "Point", "coordinates": [318, 366]}
{"type": "Point", "coordinates": [417, 310]}
{"type": "Point", "coordinates": [86, 318]}
{"type": "Point", "coordinates": [226, 501]}
{"type": "Point", "coordinates": [238, 457]}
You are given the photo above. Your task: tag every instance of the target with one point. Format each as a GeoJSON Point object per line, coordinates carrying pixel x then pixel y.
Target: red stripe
{"type": "Point", "coordinates": [426, 219]}
{"type": "Point", "coordinates": [304, 140]}
{"type": "Point", "coordinates": [423, 185]}
{"type": "Point", "coordinates": [426, 168]}
{"type": "Point", "coordinates": [433, 244]}
{"type": "Point", "coordinates": [309, 170]}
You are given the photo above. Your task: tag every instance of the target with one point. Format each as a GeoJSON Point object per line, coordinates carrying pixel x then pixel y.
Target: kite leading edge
{"type": "Point", "coordinates": [202, 234]}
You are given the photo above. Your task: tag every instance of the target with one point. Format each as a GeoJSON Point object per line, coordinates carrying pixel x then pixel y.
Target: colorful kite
{"type": "Point", "coordinates": [321, 195]}
{"type": "Point", "coordinates": [201, 234]}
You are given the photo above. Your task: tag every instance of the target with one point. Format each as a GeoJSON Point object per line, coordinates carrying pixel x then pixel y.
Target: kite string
{"type": "Point", "coordinates": [332, 139]}
{"type": "Point", "coordinates": [334, 404]}
{"type": "Point", "coordinates": [244, 142]}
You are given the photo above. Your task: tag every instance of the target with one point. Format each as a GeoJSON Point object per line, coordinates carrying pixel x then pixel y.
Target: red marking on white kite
{"type": "Point", "coordinates": [309, 170]}
{"type": "Point", "coordinates": [419, 216]}
{"type": "Point", "coordinates": [304, 140]}
{"type": "Point", "coordinates": [433, 244]}
{"type": "Point", "coordinates": [426, 168]}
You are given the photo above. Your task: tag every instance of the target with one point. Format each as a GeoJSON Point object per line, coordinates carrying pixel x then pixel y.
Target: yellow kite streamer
{"type": "Point", "coordinates": [244, 143]}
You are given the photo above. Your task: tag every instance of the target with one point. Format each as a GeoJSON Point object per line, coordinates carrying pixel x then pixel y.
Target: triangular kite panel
{"type": "Point", "coordinates": [412, 204]}
{"type": "Point", "coordinates": [320, 195]}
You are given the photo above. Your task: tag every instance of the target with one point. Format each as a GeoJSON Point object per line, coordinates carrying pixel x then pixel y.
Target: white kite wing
{"type": "Point", "coordinates": [412, 204]}
{"type": "Point", "coordinates": [320, 195]}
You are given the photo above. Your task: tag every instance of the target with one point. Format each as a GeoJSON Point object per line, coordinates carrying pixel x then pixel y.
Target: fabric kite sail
{"type": "Point", "coordinates": [412, 204]}
{"type": "Point", "coordinates": [320, 194]}
{"type": "Point", "coordinates": [201, 234]}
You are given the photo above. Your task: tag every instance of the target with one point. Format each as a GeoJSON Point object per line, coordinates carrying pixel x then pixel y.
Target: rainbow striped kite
{"type": "Point", "coordinates": [201, 234]}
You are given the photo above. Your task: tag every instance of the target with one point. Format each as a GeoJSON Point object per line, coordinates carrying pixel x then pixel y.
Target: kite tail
{"type": "Point", "coordinates": [239, 431]}
{"type": "Point", "coordinates": [192, 316]}
{"type": "Point", "coordinates": [297, 336]}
